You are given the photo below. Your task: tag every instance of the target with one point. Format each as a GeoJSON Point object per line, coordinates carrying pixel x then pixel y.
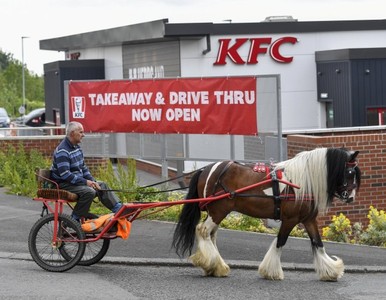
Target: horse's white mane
{"type": "Point", "coordinates": [308, 170]}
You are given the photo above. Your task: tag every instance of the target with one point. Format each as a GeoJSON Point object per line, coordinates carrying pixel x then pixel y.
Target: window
{"type": "Point", "coordinates": [329, 115]}
{"type": "Point", "coordinates": [376, 116]}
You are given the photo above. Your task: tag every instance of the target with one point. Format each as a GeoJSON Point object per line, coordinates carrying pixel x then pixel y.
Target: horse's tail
{"type": "Point", "coordinates": [184, 234]}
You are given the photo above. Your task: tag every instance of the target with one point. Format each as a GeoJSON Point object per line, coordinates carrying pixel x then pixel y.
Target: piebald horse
{"type": "Point", "coordinates": [320, 175]}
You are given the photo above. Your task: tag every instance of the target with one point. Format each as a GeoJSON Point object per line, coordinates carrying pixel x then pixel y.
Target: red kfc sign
{"type": "Point", "coordinates": [183, 105]}
{"type": "Point", "coordinates": [257, 46]}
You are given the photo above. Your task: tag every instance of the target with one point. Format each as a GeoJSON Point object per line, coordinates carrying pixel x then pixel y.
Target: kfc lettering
{"type": "Point", "coordinates": [256, 46]}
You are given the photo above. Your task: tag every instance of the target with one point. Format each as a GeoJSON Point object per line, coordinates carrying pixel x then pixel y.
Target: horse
{"type": "Point", "coordinates": [293, 191]}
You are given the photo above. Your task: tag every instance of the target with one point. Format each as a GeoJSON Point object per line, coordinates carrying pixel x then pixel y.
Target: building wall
{"type": "Point", "coordinates": [300, 106]}
{"type": "Point", "coordinates": [151, 60]}
{"type": "Point", "coordinates": [152, 42]}
{"type": "Point", "coordinates": [368, 89]}
{"type": "Point", "coordinates": [334, 82]}
{"type": "Point", "coordinates": [352, 85]}
{"type": "Point", "coordinates": [57, 73]}
{"type": "Point", "coordinates": [112, 57]}
{"type": "Point", "coordinates": [298, 79]}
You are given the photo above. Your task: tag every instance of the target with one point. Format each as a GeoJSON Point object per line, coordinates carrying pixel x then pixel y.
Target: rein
{"type": "Point", "coordinates": [341, 193]}
{"type": "Point", "coordinates": [153, 184]}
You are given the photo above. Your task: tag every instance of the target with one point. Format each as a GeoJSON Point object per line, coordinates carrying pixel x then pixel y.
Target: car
{"type": "Point", "coordinates": [35, 118]}
{"type": "Point", "coordinates": [5, 121]}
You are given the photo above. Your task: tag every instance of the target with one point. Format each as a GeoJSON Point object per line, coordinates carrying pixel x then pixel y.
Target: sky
{"type": "Point", "coordinates": [44, 19]}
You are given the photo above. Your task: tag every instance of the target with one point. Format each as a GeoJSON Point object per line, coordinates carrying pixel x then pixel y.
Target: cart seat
{"type": "Point", "coordinates": [49, 189]}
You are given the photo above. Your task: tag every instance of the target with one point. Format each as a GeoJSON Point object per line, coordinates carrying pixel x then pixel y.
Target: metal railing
{"type": "Point", "coordinates": [24, 131]}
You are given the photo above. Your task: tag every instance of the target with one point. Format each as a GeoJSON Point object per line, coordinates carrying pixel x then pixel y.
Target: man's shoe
{"type": "Point", "coordinates": [75, 217]}
{"type": "Point", "coordinates": [116, 207]}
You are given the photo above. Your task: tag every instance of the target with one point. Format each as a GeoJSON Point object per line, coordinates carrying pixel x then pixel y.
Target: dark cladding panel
{"type": "Point", "coordinates": [333, 86]}
{"type": "Point", "coordinates": [52, 91]}
{"type": "Point", "coordinates": [151, 60]}
{"type": "Point", "coordinates": [368, 88]}
{"type": "Point", "coordinates": [353, 80]}
{"type": "Point", "coordinates": [56, 73]}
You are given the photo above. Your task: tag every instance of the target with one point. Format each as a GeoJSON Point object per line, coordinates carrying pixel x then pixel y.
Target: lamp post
{"type": "Point", "coordinates": [22, 66]}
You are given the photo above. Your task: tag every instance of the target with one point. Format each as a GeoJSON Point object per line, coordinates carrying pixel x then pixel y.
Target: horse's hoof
{"type": "Point", "coordinates": [270, 276]}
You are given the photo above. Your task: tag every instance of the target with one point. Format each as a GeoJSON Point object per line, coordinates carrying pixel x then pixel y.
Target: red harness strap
{"type": "Point", "coordinates": [203, 204]}
{"type": "Point", "coordinates": [259, 167]}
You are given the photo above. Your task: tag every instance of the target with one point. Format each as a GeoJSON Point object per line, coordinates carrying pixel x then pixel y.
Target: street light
{"type": "Point", "coordinates": [22, 66]}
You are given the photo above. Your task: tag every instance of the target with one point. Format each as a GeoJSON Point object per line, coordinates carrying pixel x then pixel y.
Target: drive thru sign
{"type": "Point", "coordinates": [183, 105]}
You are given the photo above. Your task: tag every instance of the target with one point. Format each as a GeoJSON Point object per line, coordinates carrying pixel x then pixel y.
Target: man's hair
{"type": "Point", "coordinates": [72, 126]}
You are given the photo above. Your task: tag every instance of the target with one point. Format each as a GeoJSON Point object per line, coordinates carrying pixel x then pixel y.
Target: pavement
{"type": "Point", "coordinates": [149, 242]}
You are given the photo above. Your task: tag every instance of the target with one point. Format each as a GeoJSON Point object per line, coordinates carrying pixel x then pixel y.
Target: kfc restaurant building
{"type": "Point", "coordinates": [326, 74]}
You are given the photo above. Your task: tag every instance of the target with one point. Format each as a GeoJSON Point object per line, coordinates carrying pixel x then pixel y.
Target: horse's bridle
{"type": "Point", "coordinates": [343, 192]}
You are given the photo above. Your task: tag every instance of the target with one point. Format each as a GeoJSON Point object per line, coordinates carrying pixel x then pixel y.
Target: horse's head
{"type": "Point", "coordinates": [347, 186]}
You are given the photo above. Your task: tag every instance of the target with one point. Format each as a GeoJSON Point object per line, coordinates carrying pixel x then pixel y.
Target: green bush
{"type": "Point", "coordinates": [166, 213]}
{"type": "Point", "coordinates": [245, 223]}
{"type": "Point", "coordinates": [341, 230]}
{"type": "Point", "coordinates": [120, 179]}
{"type": "Point", "coordinates": [375, 234]}
{"type": "Point", "coordinates": [18, 169]}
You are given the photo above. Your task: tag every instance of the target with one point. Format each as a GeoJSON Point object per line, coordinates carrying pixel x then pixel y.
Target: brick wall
{"type": "Point", "coordinates": [46, 146]}
{"type": "Point", "coordinates": [372, 160]}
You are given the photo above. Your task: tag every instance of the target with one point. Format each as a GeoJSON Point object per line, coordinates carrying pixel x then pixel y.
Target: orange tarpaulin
{"type": "Point", "coordinates": [123, 225]}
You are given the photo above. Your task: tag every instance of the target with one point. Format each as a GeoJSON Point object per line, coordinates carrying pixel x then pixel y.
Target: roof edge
{"type": "Point", "coordinates": [114, 36]}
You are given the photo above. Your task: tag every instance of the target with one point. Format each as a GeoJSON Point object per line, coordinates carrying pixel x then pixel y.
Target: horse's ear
{"type": "Point", "coordinates": [353, 155]}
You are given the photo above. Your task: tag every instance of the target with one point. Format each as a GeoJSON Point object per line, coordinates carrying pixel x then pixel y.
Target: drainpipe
{"type": "Point", "coordinates": [208, 47]}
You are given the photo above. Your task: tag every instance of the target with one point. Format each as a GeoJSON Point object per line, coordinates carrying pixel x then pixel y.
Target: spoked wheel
{"type": "Point", "coordinates": [46, 251]}
{"type": "Point", "coordinates": [93, 253]}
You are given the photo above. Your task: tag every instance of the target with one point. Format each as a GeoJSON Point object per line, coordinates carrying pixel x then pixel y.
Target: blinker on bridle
{"type": "Point", "coordinates": [343, 191]}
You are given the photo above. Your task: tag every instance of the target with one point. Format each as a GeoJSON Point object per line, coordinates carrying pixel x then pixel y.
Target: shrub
{"type": "Point", "coordinates": [339, 230]}
{"type": "Point", "coordinates": [122, 179]}
{"type": "Point", "coordinates": [18, 169]}
{"type": "Point", "coordinates": [243, 222]}
{"type": "Point", "coordinates": [298, 232]}
{"type": "Point", "coordinates": [166, 213]}
{"type": "Point", "coordinates": [375, 234]}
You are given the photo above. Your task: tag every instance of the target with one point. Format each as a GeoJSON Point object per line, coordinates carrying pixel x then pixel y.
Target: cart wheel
{"type": "Point", "coordinates": [93, 253]}
{"type": "Point", "coordinates": [46, 252]}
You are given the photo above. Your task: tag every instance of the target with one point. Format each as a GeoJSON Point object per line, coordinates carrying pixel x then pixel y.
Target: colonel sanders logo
{"type": "Point", "coordinates": [78, 107]}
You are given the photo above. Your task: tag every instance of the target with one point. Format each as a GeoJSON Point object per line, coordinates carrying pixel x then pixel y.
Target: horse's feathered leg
{"type": "Point", "coordinates": [328, 269]}
{"type": "Point", "coordinates": [270, 267]}
{"type": "Point", "coordinates": [207, 255]}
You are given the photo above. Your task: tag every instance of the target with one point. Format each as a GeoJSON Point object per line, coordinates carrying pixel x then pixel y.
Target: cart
{"type": "Point", "coordinates": [57, 243]}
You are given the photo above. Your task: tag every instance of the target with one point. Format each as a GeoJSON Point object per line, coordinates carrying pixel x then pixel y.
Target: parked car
{"type": "Point", "coordinates": [5, 121]}
{"type": "Point", "coordinates": [36, 118]}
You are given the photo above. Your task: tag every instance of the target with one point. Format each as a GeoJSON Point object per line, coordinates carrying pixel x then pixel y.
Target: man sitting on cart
{"type": "Point", "coordinates": [69, 170]}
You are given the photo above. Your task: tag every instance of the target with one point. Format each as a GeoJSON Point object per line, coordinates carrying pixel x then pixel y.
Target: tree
{"type": "Point", "coordinates": [11, 89]}
{"type": "Point", "coordinates": [5, 58]}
